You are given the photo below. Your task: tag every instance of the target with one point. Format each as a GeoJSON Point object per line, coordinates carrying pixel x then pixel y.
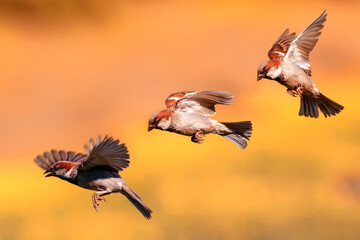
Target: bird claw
{"type": "Point", "coordinates": [299, 90]}
{"type": "Point", "coordinates": [95, 199]}
{"type": "Point", "coordinates": [198, 137]}
{"type": "Point", "coordinates": [292, 92]}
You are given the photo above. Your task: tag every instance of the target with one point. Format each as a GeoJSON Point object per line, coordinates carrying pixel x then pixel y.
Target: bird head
{"type": "Point", "coordinates": [268, 70]}
{"type": "Point", "coordinates": [160, 120]}
{"type": "Point", "coordinates": [63, 170]}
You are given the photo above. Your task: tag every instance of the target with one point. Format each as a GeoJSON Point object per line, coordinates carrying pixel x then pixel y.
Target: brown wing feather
{"type": "Point", "coordinates": [202, 102]}
{"type": "Point", "coordinates": [173, 98]}
{"type": "Point", "coordinates": [307, 71]}
{"type": "Point", "coordinates": [301, 47]}
{"type": "Point", "coordinates": [281, 45]}
{"type": "Point", "coordinates": [46, 160]}
{"type": "Point", "coordinates": [107, 152]}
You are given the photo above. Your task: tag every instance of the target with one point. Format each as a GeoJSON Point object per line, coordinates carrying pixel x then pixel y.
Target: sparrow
{"type": "Point", "coordinates": [187, 114]}
{"type": "Point", "coordinates": [290, 66]}
{"type": "Point", "coordinates": [96, 170]}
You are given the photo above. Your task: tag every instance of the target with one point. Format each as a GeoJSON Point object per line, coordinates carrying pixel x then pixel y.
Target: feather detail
{"type": "Point", "coordinates": [48, 159]}
{"type": "Point", "coordinates": [107, 152]}
{"type": "Point", "coordinates": [301, 47]}
{"type": "Point", "coordinates": [202, 102]}
{"type": "Point", "coordinates": [281, 45]}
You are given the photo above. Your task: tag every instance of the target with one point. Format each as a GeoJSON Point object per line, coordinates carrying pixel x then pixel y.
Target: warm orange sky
{"type": "Point", "coordinates": [68, 75]}
{"type": "Point", "coordinates": [76, 76]}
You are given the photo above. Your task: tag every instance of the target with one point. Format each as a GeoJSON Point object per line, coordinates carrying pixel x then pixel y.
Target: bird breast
{"type": "Point", "coordinates": [190, 123]}
{"type": "Point", "coordinates": [99, 179]}
{"type": "Point", "coordinates": [295, 76]}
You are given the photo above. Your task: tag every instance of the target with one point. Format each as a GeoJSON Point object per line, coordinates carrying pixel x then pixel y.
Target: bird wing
{"type": "Point", "coordinates": [281, 45]}
{"type": "Point", "coordinates": [107, 152]}
{"type": "Point", "coordinates": [202, 102]}
{"type": "Point", "coordinates": [46, 160]}
{"type": "Point", "coordinates": [301, 47]}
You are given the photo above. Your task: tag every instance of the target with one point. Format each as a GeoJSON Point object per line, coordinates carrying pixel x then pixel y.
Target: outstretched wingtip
{"type": "Point", "coordinates": [323, 14]}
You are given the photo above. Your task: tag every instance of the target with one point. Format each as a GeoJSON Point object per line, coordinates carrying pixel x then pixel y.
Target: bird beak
{"type": "Point", "coordinates": [151, 127]}
{"type": "Point", "coordinates": [260, 76]}
{"type": "Point", "coordinates": [50, 173]}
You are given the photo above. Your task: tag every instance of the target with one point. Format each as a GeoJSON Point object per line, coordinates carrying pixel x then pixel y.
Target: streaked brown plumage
{"type": "Point", "coordinates": [290, 66]}
{"type": "Point", "coordinates": [187, 114]}
{"type": "Point", "coordinates": [97, 170]}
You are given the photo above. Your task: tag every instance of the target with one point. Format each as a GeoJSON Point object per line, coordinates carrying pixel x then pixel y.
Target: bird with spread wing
{"type": "Point", "coordinates": [289, 65]}
{"type": "Point", "coordinates": [96, 170]}
{"type": "Point", "coordinates": [188, 112]}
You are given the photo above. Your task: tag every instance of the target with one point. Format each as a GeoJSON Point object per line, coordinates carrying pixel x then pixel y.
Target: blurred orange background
{"type": "Point", "coordinates": [74, 69]}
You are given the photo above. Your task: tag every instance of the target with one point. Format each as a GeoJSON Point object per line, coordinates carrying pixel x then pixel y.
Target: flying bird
{"type": "Point", "coordinates": [96, 170]}
{"type": "Point", "coordinates": [187, 113]}
{"type": "Point", "coordinates": [290, 66]}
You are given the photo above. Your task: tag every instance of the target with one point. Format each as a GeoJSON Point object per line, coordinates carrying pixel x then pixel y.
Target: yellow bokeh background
{"type": "Point", "coordinates": [74, 69]}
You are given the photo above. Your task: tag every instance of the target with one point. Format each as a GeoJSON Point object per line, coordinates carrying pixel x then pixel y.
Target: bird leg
{"type": "Point", "coordinates": [299, 90]}
{"type": "Point", "coordinates": [98, 197]}
{"type": "Point", "coordinates": [292, 92]}
{"type": "Point", "coordinates": [198, 137]}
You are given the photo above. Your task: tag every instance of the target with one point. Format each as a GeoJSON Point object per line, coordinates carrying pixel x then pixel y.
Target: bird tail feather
{"type": "Point", "coordinates": [240, 132]}
{"type": "Point", "coordinates": [309, 106]}
{"type": "Point", "coordinates": [137, 202]}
